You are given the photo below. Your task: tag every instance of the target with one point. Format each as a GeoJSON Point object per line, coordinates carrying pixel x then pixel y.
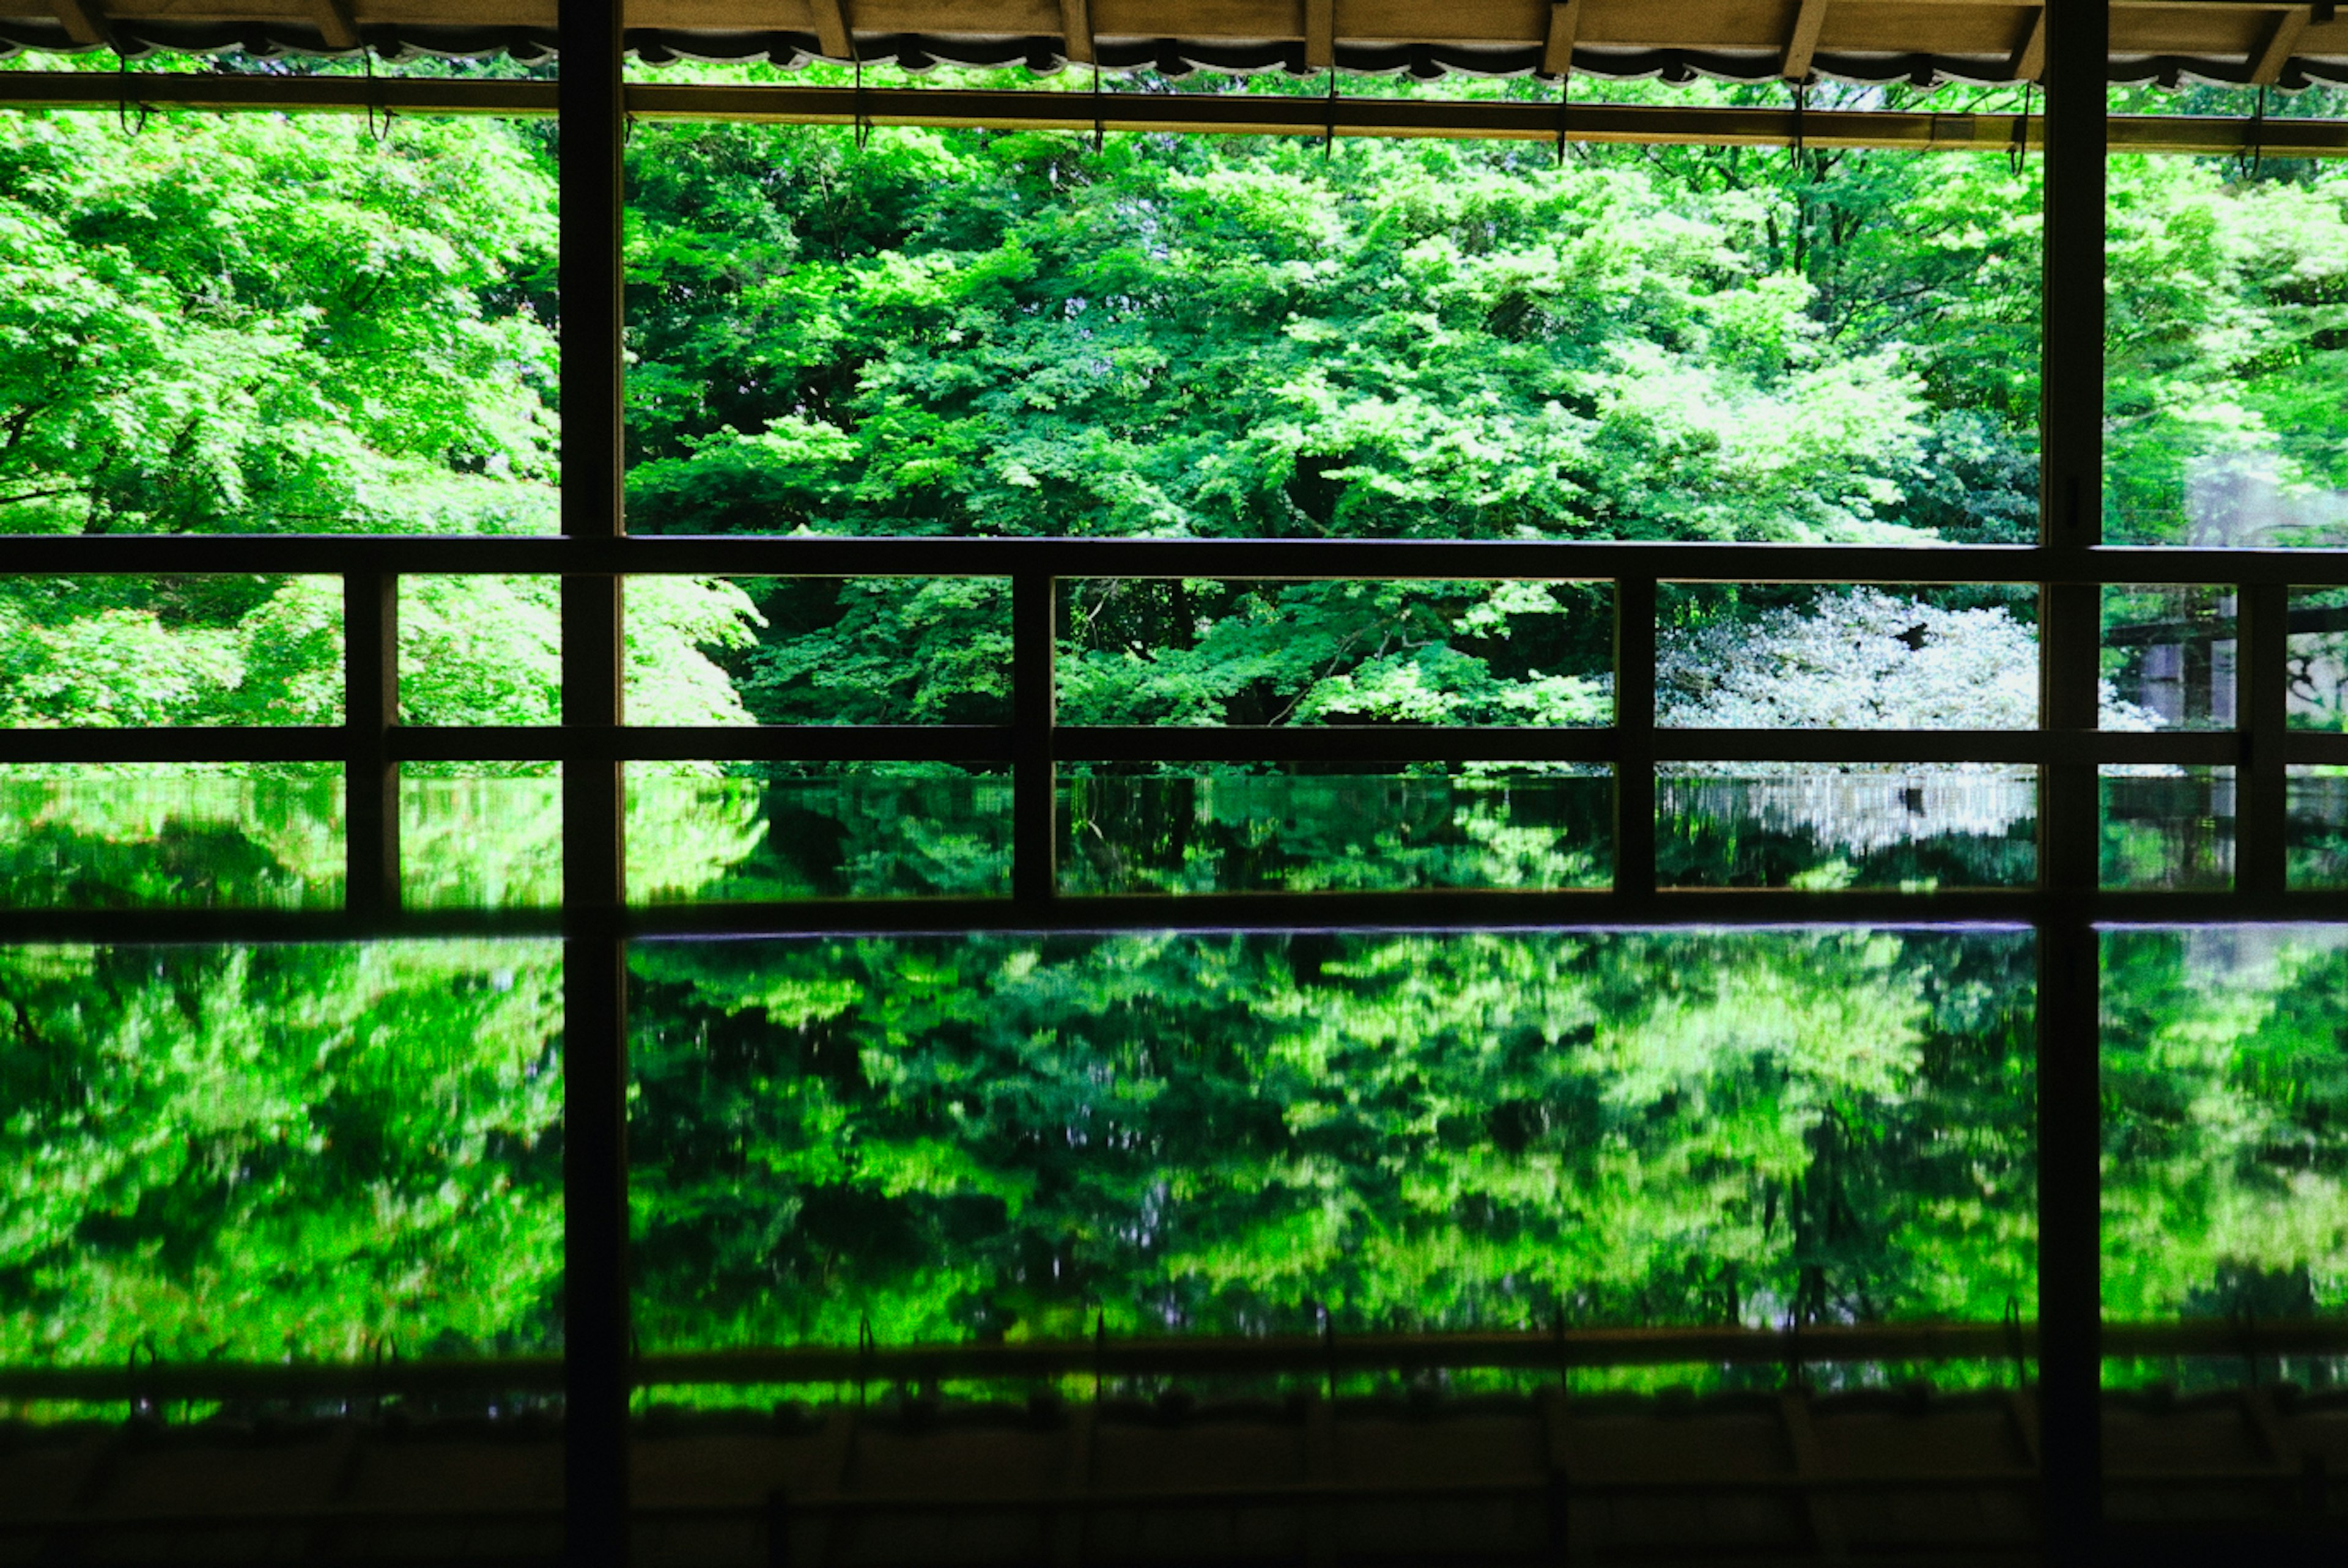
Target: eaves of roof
{"type": "Point", "coordinates": [1870, 41]}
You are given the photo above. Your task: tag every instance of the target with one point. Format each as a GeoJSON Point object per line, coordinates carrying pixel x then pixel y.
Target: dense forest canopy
{"type": "Point", "coordinates": [276, 325]}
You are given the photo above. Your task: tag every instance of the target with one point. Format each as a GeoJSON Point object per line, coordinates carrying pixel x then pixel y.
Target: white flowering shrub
{"type": "Point", "coordinates": [1863, 659]}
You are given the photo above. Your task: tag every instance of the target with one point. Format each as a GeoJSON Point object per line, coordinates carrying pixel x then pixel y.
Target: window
{"type": "Point", "coordinates": [1278, 742]}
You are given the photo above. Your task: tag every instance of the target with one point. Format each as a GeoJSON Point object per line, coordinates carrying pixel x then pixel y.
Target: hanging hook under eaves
{"type": "Point", "coordinates": [2254, 147]}
{"type": "Point", "coordinates": [1564, 113]}
{"type": "Point", "coordinates": [2016, 154]}
{"type": "Point", "coordinates": [375, 101]}
{"type": "Point", "coordinates": [122, 98]}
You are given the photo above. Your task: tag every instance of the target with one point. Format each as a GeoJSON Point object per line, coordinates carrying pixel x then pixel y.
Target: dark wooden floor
{"type": "Point", "coordinates": [1913, 1477]}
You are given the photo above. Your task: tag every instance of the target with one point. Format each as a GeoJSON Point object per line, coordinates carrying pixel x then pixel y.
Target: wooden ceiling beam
{"type": "Point", "coordinates": [84, 22]}
{"type": "Point", "coordinates": [2030, 59]}
{"type": "Point", "coordinates": [1564, 23]}
{"type": "Point", "coordinates": [832, 29]}
{"type": "Point", "coordinates": [336, 24]}
{"type": "Point", "coordinates": [1320, 35]}
{"type": "Point", "coordinates": [1802, 43]}
{"type": "Point", "coordinates": [2282, 42]}
{"type": "Point", "coordinates": [1076, 31]}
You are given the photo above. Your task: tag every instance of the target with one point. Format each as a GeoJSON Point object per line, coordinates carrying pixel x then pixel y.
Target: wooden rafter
{"type": "Point", "coordinates": [833, 29]}
{"type": "Point", "coordinates": [2030, 59]}
{"type": "Point", "coordinates": [1076, 31]}
{"type": "Point", "coordinates": [1320, 34]}
{"type": "Point", "coordinates": [1564, 23]}
{"type": "Point", "coordinates": [2281, 41]}
{"type": "Point", "coordinates": [82, 20]}
{"type": "Point", "coordinates": [336, 24]}
{"type": "Point", "coordinates": [1802, 43]}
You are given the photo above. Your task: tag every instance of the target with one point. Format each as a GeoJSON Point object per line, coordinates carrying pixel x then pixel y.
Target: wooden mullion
{"type": "Point", "coordinates": [1034, 783]}
{"type": "Point", "coordinates": [1634, 728]}
{"type": "Point", "coordinates": [370, 773]}
{"type": "Point", "coordinates": [2262, 785]}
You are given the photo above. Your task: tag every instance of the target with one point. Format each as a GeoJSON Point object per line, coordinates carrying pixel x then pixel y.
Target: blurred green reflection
{"type": "Point", "coordinates": [1232, 829]}
{"type": "Point", "coordinates": [1015, 1136]}
{"type": "Point", "coordinates": [779, 831]}
{"type": "Point", "coordinates": [1962, 826]}
{"type": "Point", "coordinates": [172, 834]}
{"type": "Point", "coordinates": [256, 1153]}
{"type": "Point", "coordinates": [2224, 1061]}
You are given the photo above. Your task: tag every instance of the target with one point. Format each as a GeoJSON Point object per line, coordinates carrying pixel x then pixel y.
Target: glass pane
{"type": "Point", "coordinates": [1915, 829]}
{"type": "Point", "coordinates": [2226, 1129]}
{"type": "Point", "coordinates": [2317, 695]}
{"type": "Point", "coordinates": [818, 651]}
{"type": "Point", "coordinates": [272, 323]}
{"type": "Point", "coordinates": [2316, 826]}
{"type": "Point", "coordinates": [1170, 652]}
{"type": "Point", "coordinates": [1214, 337]}
{"type": "Point", "coordinates": [1229, 829]}
{"type": "Point", "coordinates": [2168, 658]}
{"type": "Point", "coordinates": [2167, 828]}
{"type": "Point", "coordinates": [160, 835]}
{"type": "Point", "coordinates": [148, 652]}
{"type": "Point", "coordinates": [281, 1153]}
{"type": "Point", "coordinates": [474, 839]}
{"type": "Point", "coordinates": [1015, 1137]}
{"type": "Point", "coordinates": [1766, 656]}
{"type": "Point", "coordinates": [2224, 376]}
{"type": "Point", "coordinates": [763, 832]}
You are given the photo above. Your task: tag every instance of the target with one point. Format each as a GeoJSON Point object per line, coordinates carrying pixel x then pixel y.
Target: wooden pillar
{"type": "Point", "coordinates": [2069, 996]}
{"type": "Point", "coordinates": [595, 1037]}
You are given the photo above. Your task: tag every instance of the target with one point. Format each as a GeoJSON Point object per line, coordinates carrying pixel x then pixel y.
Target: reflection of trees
{"type": "Point", "coordinates": [269, 837]}
{"type": "Point", "coordinates": [279, 1150]}
{"type": "Point", "coordinates": [309, 1147]}
{"type": "Point", "coordinates": [1958, 825]}
{"type": "Point", "coordinates": [1002, 1137]}
{"type": "Point", "coordinates": [2226, 1082]}
{"type": "Point", "coordinates": [1232, 829]}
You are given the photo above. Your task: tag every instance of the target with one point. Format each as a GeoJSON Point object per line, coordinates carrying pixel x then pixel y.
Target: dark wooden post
{"type": "Point", "coordinates": [2070, 1365]}
{"type": "Point", "coordinates": [370, 777]}
{"type": "Point", "coordinates": [594, 1034]}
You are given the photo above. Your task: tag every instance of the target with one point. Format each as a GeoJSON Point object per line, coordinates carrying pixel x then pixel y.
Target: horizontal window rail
{"type": "Point", "coordinates": [1194, 113]}
{"type": "Point", "coordinates": [1559, 560]}
{"type": "Point", "coordinates": [1431, 911]}
{"type": "Point", "coordinates": [1369, 745]}
{"type": "Point", "coordinates": [1536, 1350]}
{"type": "Point", "coordinates": [373, 746]}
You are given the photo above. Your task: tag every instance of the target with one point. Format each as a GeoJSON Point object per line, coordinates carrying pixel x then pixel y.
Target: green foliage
{"type": "Point", "coordinates": [260, 323]}
{"type": "Point", "coordinates": [2229, 360]}
{"type": "Point", "coordinates": [263, 1152]}
{"type": "Point", "coordinates": [2225, 1076]}
{"type": "Point", "coordinates": [264, 324]}
{"type": "Point", "coordinates": [1001, 1138]}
